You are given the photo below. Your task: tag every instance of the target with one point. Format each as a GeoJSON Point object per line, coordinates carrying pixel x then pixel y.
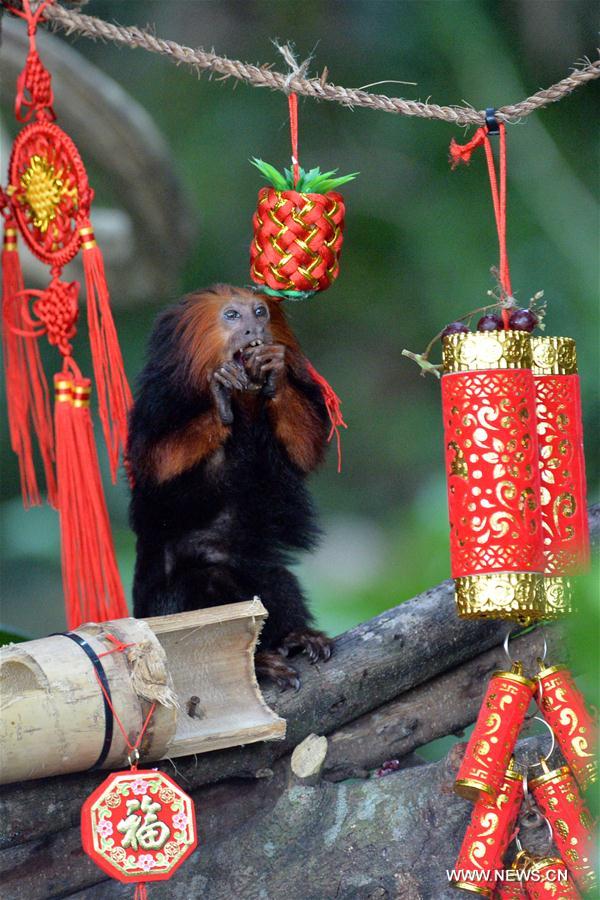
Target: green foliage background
{"type": "Point", "coordinates": [420, 241]}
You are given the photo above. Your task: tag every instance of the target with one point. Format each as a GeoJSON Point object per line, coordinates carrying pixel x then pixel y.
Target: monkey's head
{"type": "Point", "coordinates": [223, 321]}
{"type": "Point", "coordinates": [245, 322]}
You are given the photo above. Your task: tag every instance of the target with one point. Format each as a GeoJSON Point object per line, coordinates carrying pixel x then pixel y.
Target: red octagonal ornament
{"type": "Point", "coordinates": [138, 826]}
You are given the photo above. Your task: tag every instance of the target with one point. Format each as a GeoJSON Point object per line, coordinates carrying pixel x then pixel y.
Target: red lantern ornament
{"type": "Point", "coordinates": [486, 760]}
{"type": "Point", "coordinates": [549, 877]}
{"type": "Point", "coordinates": [562, 466]}
{"type": "Point", "coordinates": [572, 827]}
{"type": "Point", "coordinates": [488, 399]}
{"type": "Point", "coordinates": [139, 826]}
{"type": "Point", "coordinates": [576, 730]}
{"type": "Point", "coordinates": [48, 201]}
{"type": "Point", "coordinates": [298, 226]}
{"type": "Point", "coordinates": [488, 835]}
{"type": "Point", "coordinates": [297, 240]}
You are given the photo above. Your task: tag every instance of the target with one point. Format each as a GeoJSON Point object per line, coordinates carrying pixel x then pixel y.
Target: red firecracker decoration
{"type": "Point", "coordinates": [488, 399]}
{"type": "Point", "coordinates": [487, 757]}
{"type": "Point", "coordinates": [488, 835]}
{"type": "Point", "coordinates": [139, 826]}
{"type": "Point", "coordinates": [48, 201]}
{"type": "Point", "coordinates": [562, 465]}
{"type": "Point", "coordinates": [511, 890]}
{"type": "Point", "coordinates": [576, 730]}
{"type": "Point", "coordinates": [298, 226]}
{"type": "Point", "coordinates": [549, 877]}
{"type": "Point", "coordinates": [572, 827]}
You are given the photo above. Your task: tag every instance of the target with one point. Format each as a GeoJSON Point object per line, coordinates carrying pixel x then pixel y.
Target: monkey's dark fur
{"type": "Point", "coordinates": [218, 463]}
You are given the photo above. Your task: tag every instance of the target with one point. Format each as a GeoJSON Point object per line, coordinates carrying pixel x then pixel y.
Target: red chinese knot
{"type": "Point", "coordinates": [139, 826]}
{"type": "Point", "coordinates": [47, 200]}
{"type": "Point", "coordinates": [49, 190]}
{"type": "Point", "coordinates": [297, 240]}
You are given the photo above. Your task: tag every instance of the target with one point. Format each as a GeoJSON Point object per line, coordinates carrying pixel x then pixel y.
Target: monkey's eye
{"type": "Point", "coordinates": [260, 311]}
{"type": "Point", "coordinates": [231, 314]}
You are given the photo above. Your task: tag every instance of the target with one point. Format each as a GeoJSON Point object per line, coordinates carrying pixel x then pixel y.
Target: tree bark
{"type": "Point", "coordinates": [391, 837]}
{"type": "Point", "coordinates": [444, 705]}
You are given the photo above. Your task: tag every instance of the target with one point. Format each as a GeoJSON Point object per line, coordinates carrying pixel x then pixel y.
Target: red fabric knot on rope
{"type": "Point", "coordinates": [461, 153]}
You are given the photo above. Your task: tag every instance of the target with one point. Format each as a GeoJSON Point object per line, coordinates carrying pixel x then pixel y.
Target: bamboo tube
{"type": "Point", "coordinates": [197, 666]}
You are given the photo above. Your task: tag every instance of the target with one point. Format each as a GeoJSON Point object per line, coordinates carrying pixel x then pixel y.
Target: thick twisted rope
{"type": "Point", "coordinates": [263, 76]}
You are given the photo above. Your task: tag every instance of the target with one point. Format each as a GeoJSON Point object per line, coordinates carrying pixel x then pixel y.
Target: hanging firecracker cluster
{"type": "Point", "coordinates": [514, 451]}
{"type": "Point", "coordinates": [518, 528]}
{"type": "Point", "coordinates": [47, 202]}
{"type": "Point", "coordinates": [489, 778]}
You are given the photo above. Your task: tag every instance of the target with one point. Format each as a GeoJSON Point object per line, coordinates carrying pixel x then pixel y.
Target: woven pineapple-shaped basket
{"type": "Point", "coordinates": [298, 233]}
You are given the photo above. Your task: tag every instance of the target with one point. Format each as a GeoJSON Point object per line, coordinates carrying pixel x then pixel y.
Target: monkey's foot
{"type": "Point", "coordinates": [270, 665]}
{"type": "Point", "coordinates": [315, 644]}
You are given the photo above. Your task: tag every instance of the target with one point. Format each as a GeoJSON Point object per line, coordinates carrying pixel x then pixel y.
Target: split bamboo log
{"type": "Point", "coordinates": [197, 667]}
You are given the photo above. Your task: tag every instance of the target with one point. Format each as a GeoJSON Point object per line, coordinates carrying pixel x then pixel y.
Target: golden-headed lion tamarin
{"type": "Point", "coordinates": [227, 422]}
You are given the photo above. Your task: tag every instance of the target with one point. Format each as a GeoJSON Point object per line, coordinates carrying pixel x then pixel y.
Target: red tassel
{"type": "Point", "coordinates": [26, 388]}
{"type": "Point", "coordinates": [333, 405]}
{"type": "Point", "coordinates": [461, 153]}
{"type": "Point", "coordinates": [140, 892]}
{"type": "Point", "coordinates": [114, 395]}
{"type": "Point", "coordinates": [92, 586]}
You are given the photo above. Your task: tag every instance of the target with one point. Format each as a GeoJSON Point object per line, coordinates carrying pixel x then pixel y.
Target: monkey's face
{"type": "Point", "coordinates": [245, 323]}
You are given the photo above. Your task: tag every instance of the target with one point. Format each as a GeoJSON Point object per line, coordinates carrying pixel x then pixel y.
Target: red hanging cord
{"type": "Point", "coordinates": [462, 154]}
{"type": "Point", "coordinates": [293, 105]}
{"type": "Point", "coordinates": [141, 892]}
{"type": "Point", "coordinates": [131, 747]}
{"type": "Point", "coordinates": [333, 405]}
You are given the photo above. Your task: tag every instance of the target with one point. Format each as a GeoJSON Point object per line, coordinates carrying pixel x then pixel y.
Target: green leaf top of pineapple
{"type": "Point", "coordinates": [312, 182]}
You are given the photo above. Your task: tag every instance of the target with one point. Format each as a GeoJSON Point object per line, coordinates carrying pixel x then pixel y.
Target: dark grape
{"type": "Point", "coordinates": [490, 322]}
{"type": "Point", "coordinates": [454, 328]}
{"type": "Point", "coordinates": [523, 320]}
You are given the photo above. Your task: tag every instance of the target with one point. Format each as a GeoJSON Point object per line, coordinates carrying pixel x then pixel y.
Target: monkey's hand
{"type": "Point", "coordinates": [266, 365]}
{"type": "Point", "coordinates": [228, 377]}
